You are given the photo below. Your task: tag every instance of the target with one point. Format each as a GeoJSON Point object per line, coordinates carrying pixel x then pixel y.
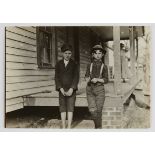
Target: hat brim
{"type": "Point", "coordinates": [103, 51]}
{"type": "Point", "coordinates": [66, 47]}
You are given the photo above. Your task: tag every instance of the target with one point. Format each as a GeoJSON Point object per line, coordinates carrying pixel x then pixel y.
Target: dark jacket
{"type": "Point", "coordinates": [96, 71]}
{"type": "Point", "coordinates": [66, 77]}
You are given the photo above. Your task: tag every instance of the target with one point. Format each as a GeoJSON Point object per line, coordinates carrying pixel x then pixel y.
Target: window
{"type": "Point", "coordinates": [44, 47]}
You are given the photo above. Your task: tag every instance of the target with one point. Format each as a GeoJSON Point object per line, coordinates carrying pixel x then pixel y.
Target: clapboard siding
{"type": "Point", "coordinates": [84, 59]}
{"type": "Point", "coordinates": [20, 93]}
{"type": "Point", "coordinates": [61, 34]}
{"type": "Point", "coordinates": [86, 55]}
{"type": "Point", "coordinates": [84, 47]}
{"type": "Point", "coordinates": [22, 32]}
{"type": "Point", "coordinates": [20, 79]}
{"type": "Point", "coordinates": [83, 66]}
{"type": "Point", "coordinates": [17, 65]}
{"type": "Point", "coordinates": [84, 62]}
{"type": "Point", "coordinates": [29, 29]}
{"type": "Point", "coordinates": [14, 101]}
{"type": "Point", "coordinates": [15, 58]}
{"type": "Point", "coordinates": [20, 52]}
{"type": "Point", "coordinates": [28, 72]}
{"type": "Point", "coordinates": [21, 38]}
{"type": "Point", "coordinates": [13, 107]}
{"type": "Point", "coordinates": [22, 74]}
{"type": "Point", "coordinates": [21, 86]}
{"type": "Point", "coordinates": [20, 45]}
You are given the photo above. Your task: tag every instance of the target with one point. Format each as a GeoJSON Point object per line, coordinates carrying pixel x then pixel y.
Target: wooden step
{"type": "Point", "coordinates": [52, 98]}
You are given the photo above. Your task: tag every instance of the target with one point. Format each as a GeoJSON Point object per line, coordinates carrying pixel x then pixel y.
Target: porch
{"type": "Point", "coordinates": [117, 90]}
{"type": "Point", "coordinates": [52, 99]}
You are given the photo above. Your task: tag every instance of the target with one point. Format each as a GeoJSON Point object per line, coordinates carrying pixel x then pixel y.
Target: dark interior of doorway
{"type": "Point", "coordinates": [76, 45]}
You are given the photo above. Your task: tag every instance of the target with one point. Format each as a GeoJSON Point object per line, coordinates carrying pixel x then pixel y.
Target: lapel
{"type": "Point", "coordinates": [63, 65]}
{"type": "Point", "coordinates": [68, 65]}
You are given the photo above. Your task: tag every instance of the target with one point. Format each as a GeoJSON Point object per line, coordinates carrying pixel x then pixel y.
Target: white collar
{"type": "Point", "coordinates": [66, 62]}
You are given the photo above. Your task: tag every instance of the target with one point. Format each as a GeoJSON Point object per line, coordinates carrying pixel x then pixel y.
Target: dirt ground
{"type": "Point", "coordinates": [48, 117]}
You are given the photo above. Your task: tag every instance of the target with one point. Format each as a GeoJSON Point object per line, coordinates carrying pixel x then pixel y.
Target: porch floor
{"type": "Point", "coordinates": [51, 99]}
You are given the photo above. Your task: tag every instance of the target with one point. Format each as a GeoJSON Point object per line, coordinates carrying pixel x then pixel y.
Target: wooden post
{"type": "Point", "coordinates": [117, 60]}
{"type": "Point", "coordinates": [53, 47]}
{"type": "Point", "coordinates": [132, 54]}
{"type": "Point", "coordinates": [123, 64]}
{"type": "Point", "coordinates": [106, 57]}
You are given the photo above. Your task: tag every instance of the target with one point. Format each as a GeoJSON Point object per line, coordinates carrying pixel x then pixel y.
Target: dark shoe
{"type": "Point", "coordinates": [98, 123]}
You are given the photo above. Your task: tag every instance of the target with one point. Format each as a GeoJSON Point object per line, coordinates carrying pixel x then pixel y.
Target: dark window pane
{"type": "Point", "coordinates": [44, 47]}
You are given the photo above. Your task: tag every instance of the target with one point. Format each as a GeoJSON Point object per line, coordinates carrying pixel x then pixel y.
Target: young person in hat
{"type": "Point", "coordinates": [96, 76]}
{"type": "Point", "coordinates": [66, 79]}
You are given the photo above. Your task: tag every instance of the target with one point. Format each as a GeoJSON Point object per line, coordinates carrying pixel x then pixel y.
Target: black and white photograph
{"type": "Point", "coordinates": [77, 77]}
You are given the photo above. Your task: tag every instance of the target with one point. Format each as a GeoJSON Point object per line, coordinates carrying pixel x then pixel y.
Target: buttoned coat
{"type": "Point", "coordinates": [66, 77]}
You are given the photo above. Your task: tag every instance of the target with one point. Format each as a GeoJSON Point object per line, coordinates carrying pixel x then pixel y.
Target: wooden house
{"type": "Point", "coordinates": [32, 52]}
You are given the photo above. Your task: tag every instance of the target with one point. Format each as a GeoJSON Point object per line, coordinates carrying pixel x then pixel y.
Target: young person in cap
{"type": "Point", "coordinates": [96, 76]}
{"type": "Point", "coordinates": [66, 79]}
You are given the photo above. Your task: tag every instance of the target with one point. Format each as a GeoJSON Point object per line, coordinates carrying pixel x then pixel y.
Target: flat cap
{"type": "Point", "coordinates": [98, 47]}
{"type": "Point", "coordinates": [66, 47]}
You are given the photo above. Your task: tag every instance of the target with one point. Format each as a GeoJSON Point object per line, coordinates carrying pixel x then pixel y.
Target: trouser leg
{"type": "Point", "coordinates": [100, 98]}
{"type": "Point", "coordinates": [98, 121]}
{"type": "Point", "coordinates": [94, 118]}
{"type": "Point", "coordinates": [97, 118]}
{"type": "Point", "coordinates": [96, 97]}
{"type": "Point", "coordinates": [91, 103]}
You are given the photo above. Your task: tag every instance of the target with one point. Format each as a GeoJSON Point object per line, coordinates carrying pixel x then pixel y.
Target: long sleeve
{"type": "Point", "coordinates": [75, 78]}
{"type": "Point", "coordinates": [57, 77]}
{"type": "Point", "coordinates": [87, 71]}
{"type": "Point", "coordinates": [105, 74]}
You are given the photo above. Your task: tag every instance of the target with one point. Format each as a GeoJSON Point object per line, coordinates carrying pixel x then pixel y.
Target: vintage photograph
{"type": "Point", "coordinates": [77, 77]}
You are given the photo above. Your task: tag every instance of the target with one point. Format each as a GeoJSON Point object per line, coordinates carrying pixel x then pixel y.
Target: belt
{"type": "Point", "coordinates": [95, 84]}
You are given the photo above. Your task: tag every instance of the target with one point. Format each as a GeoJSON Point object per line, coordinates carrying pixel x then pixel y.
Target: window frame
{"type": "Point", "coordinates": [52, 55]}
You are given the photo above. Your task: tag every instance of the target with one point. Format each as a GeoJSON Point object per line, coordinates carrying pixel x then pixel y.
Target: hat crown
{"type": "Point", "coordinates": [66, 47]}
{"type": "Point", "coordinates": [98, 47]}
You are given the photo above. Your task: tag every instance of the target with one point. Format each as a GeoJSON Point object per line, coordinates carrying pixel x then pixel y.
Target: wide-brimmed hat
{"type": "Point", "coordinates": [66, 47]}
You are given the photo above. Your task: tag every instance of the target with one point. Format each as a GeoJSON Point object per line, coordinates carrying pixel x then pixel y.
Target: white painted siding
{"type": "Point", "coordinates": [22, 74]}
